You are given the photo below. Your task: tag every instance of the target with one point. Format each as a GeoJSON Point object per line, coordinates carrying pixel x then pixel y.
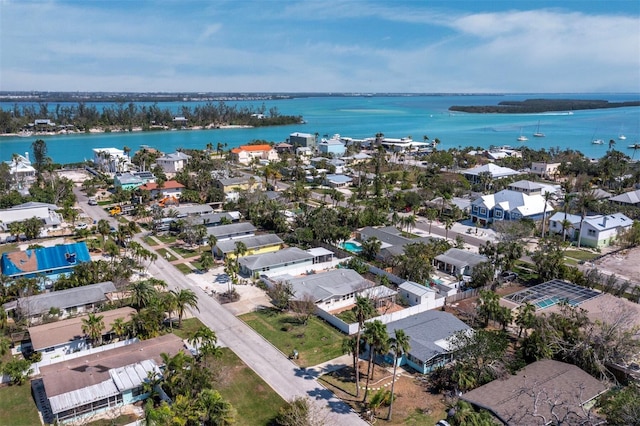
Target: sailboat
{"type": "Point", "coordinates": [522, 138]}
{"type": "Point", "coordinates": [596, 141]}
{"type": "Point", "coordinates": [538, 133]}
{"type": "Point", "coordinates": [621, 136]}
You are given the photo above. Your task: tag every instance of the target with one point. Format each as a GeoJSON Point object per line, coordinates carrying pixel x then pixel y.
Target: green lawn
{"type": "Point", "coordinates": [122, 420]}
{"type": "Point", "coordinates": [347, 316]}
{"type": "Point", "coordinates": [150, 241]}
{"type": "Point", "coordinates": [316, 342]}
{"type": "Point", "coordinates": [255, 402]}
{"type": "Point", "coordinates": [17, 406]}
{"type": "Point", "coordinates": [189, 326]}
{"type": "Point", "coordinates": [8, 247]}
{"type": "Point", "coordinates": [185, 252]}
{"type": "Point", "coordinates": [167, 239]}
{"type": "Point", "coordinates": [184, 268]}
{"type": "Point", "coordinates": [580, 254]}
{"type": "Point", "coordinates": [163, 253]}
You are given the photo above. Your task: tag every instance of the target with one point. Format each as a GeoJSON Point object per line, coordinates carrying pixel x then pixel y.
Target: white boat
{"type": "Point", "coordinates": [634, 146]}
{"type": "Point", "coordinates": [538, 133]}
{"type": "Point", "coordinates": [622, 137]}
{"type": "Point", "coordinates": [25, 134]}
{"type": "Point", "coordinates": [597, 141]}
{"type": "Point", "coordinates": [522, 138]}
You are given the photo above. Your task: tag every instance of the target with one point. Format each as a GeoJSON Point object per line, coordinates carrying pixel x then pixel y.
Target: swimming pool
{"type": "Point", "coordinates": [351, 246]}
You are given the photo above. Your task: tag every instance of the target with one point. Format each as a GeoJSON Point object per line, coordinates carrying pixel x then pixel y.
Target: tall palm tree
{"type": "Point", "coordinates": [141, 293]}
{"type": "Point", "coordinates": [103, 229]}
{"type": "Point", "coordinates": [92, 326]}
{"type": "Point", "coordinates": [526, 317]}
{"type": "Point", "coordinates": [215, 410]}
{"type": "Point", "coordinates": [119, 327]}
{"type": "Point", "coordinates": [363, 310]}
{"type": "Point", "coordinates": [375, 334]}
{"type": "Point", "coordinates": [184, 298]}
{"type": "Point", "coordinates": [202, 338]}
{"type": "Point", "coordinates": [547, 196]}
{"type": "Point", "coordinates": [399, 345]}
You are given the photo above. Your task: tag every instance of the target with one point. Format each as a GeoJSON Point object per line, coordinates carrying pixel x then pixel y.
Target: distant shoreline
{"type": "Point", "coordinates": [100, 130]}
{"type": "Point", "coordinates": [535, 106]}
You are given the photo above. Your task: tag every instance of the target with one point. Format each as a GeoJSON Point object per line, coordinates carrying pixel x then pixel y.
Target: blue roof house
{"type": "Point", "coordinates": [48, 261]}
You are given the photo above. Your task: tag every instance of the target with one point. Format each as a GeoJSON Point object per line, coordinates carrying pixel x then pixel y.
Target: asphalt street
{"type": "Point", "coordinates": [287, 379]}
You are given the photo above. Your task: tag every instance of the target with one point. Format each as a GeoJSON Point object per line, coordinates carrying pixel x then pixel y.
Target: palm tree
{"type": "Point", "coordinates": [371, 248]}
{"type": "Point", "coordinates": [184, 298]}
{"type": "Point", "coordinates": [547, 196]}
{"type": "Point", "coordinates": [612, 143]}
{"type": "Point", "coordinates": [363, 310]}
{"type": "Point", "coordinates": [5, 345]}
{"type": "Point", "coordinates": [202, 338]}
{"type": "Point", "coordinates": [214, 410]}
{"type": "Point", "coordinates": [349, 347]}
{"type": "Point", "coordinates": [526, 317]}
{"type": "Point", "coordinates": [399, 345]}
{"type": "Point", "coordinates": [375, 334]}
{"type": "Point", "coordinates": [119, 327]}
{"type": "Point", "coordinates": [141, 293]}
{"type": "Point", "coordinates": [93, 326]}
{"type": "Point", "coordinates": [448, 224]}
{"type": "Point", "coordinates": [103, 229]}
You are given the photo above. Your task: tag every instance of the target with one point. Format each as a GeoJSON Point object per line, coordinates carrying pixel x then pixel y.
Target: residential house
{"type": "Point", "coordinates": [306, 140]}
{"type": "Point", "coordinates": [283, 147]}
{"type": "Point", "coordinates": [51, 219]}
{"type": "Point", "coordinates": [393, 242]}
{"type": "Point", "coordinates": [111, 160]}
{"type": "Point", "coordinates": [357, 158]}
{"type": "Point", "coordinates": [133, 180]}
{"type": "Point", "coordinates": [538, 393]}
{"type": "Point", "coordinates": [59, 338]}
{"type": "Point", "coordinates": [545, 170]}
{"type": "Point", "coordinates": [333, 289]}
{"type": "Point", "coordinates": [429, 334]}
{"type": "Point", "coordinates": [242, 182]}
{"type": "Point", "coordinates": [193, 210]}
{"type": "Point", "coordinates": [174, 162]}
{"type": "Point", "coordinates": [631, 198]}
{"type": "Point", "coordinates": [232, 231]}
{"type": "Point", "coordinates": [603, 231]}
{"type": "Point", "coordinates": [338, 181]}
{"type": "Point", "coordinates": [214, 219]}
{"type": "Point", "coordinates": [48, 261]}
{"type": "Point", "coordinates": [492, 171]}
{"type": "Point", "coordinates": [332, 146]}
{"type": "Point", "coordinates": [569, 224]}
{"type": "Point", "coordinates": [81, 388]}
{"type": "Point", "coordinates": [417, 294]}
{"type": "Point", "coordinates": [61, 304]}
{"type": "Point", "coordinates": [257, 244]}
{"type": "Point", "coordinates": [291, 260]}
{"type": "Point", "coordinates": [458, 262]}
{"type": "Point", "coordinates": [246, 154]}
{"type": "Point", "coordinates": [508, 205]}
{"type": "Point", "coordinates": [304, 154]}
{"type": "Point", "coordinates": [531, 188]}
{"type": "Point", "coordinates": [22, 172]}
{"type": "Point", "coordinates": [170, 188]}
{"type": "Point", "coordinates": [180, 121]}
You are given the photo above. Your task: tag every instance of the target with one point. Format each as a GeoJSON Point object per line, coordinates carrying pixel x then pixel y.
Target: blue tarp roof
{"type": "Point", "coordinates": [38, 260]}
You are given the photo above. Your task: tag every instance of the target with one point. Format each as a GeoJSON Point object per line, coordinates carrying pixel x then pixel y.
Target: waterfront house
{"type": "Point", "coordinates": [22, 172]}
{"type": "Point", "coordinates": [133, 180]}
{"type": "Point", "coordinates": [306, 140]}
{"type": "Point", "coordinates": [111, 160]}
{"type": "Point", "coordinates": [475, 175]}
{"type": "Point", "coordinates": [257, 244]}
{"type": "Point", "coordinates": [457, 262]}
{"type": "Point", "coordinates": [48, 261]}
{"type": "Point", "coordinates": [603, 231]}
{"type": "Point", "coordinates": [61, 304]}
{"type": "Point", "coordinates": [174, 162]}
{"type": "Point", "coordinates": [59, 338]}
{"type": "Point", "coordinates": [508, 205]}
{"type": "Point", "coordinates": [539, 392]}
{"type": "Point", "coordinates": [78, 389]}
{"type": "Point", "coordinates": [333, 146]}
{"type": "Point", "coordinates": [429, 334]}
{"type": "Point", "coordinates": [246, 154]}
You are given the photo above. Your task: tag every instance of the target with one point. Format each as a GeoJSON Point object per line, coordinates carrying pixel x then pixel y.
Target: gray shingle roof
{"type": "Point", "coordinates": [426, 332]}
{"type": "Point", "coordinates": [461, 258]}
{"type": "Point", "coordinates": [259, 261]}
{"type": "Point", "coordinates": [324, 286]}
{"type": "Point", "coordinates": [233, 228]}
{"type": "Point", "coordinates": [63, 299]}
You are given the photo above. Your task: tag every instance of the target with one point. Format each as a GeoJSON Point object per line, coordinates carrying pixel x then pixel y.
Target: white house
{"type": "Point", "coordinates": [22, 172]}
{"type": "Point", "coordinates": [173, 163]}
{"type": "Point", "coordinates": [417, 294]}
{"type": "Point", "coordinates": [111, 160]}
{"type": "Point", "coordinates": [602, 231]}
{"type": "Point", "coordinates": [495, 172]}
{"type": "Point", "coordinates": [46, 212]}
{"type": "Point", "coordinates": [508, 205]}
{"type": "Point", "coordinates": [545, 170]}
{"type": "Point", "coordinates": [571, 226]}
{"type": "Point", "coordinates": [245, 154]}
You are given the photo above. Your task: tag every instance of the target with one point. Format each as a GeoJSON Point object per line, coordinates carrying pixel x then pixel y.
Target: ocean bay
{"type": "Point", "coordinates": [364, 116]}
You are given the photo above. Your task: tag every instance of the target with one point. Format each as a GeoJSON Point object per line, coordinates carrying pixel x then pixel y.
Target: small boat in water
{"type": "Point", "coordinates": [634, 146]}
{"type": "Point", "coordinates": [522, 138]}
{"type": "Point", "coordinates": [597, 141]}
{"type": "Point", "coordinates": [538, 133]}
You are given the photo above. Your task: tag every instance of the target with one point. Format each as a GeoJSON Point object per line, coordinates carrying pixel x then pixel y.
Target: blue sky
{"type": "Point", "coordinates": [321, 46]}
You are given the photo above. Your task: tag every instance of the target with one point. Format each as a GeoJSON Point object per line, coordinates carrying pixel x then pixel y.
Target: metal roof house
{"type": "Point", "coordinates": [458, 262]}
{"type": "Point", "coordinates": [174, 162]}
{"type": "Point", "coordinates": [508, 205]}
{"type": "Point", "coordinates": [291, 260]}
{"type": "Point", "coordinates": [48, 261]}
{"type": "Point", "coordinates": [255, 245]}
{"type": "Point", "coordinates": [428, 333]}
{"type": "Point", "coordinates": [69, 302]}
{"type": "Point", "coordinates": [495, 172]}
{"type": "Point", "coordinates": [538, 393]}
{"type": "Point", "coordinates": [631, 198]}
{"type": "Point", "coordinates": [232, 231]}
{"type": "Point", "coordinates": [602, 231]}
{"type": "Point", "coordinates": [76, 389]}
{"type": "Point", "coordinates": [44, 211]}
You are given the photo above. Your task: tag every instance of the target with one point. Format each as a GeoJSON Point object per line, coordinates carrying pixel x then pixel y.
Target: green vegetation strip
{"type": "Point", "coordinates": [5, 248]}
{"type": "Point", "coordinates": [150, 241]}
{"type": "Point", "coordinates": [580, 255]}
{"type": "Point", "coordinates": [17, 407]}
{"type": "Point", "coordinates": [255, 402]}
{"type": "Point", "coordinates": [184, 268]}
{"type": "Point", "coordinates": [315, 342]}
{"type": "Point", "coordinates": [189, 326]}
{"type": "Point", "coordinates": [167, 239]}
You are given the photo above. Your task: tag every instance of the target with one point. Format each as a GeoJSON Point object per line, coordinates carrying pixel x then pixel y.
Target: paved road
{"type": "Point", "coordinates": [276, 369]}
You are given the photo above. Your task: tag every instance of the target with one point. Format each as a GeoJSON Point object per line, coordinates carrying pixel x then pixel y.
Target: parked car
{"type": "Point", "coordinates": [82, 226]}
{"type": "Point", "coordinates": [508, 276]}
{"type": "Point", "coordinates": [92, 202]}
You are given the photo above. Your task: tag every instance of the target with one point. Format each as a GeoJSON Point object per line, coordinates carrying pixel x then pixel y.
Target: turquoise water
{"type": "Point", "coordinates": [361, 117]}
{"type": "Point", "coordinates": [351, 246]}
